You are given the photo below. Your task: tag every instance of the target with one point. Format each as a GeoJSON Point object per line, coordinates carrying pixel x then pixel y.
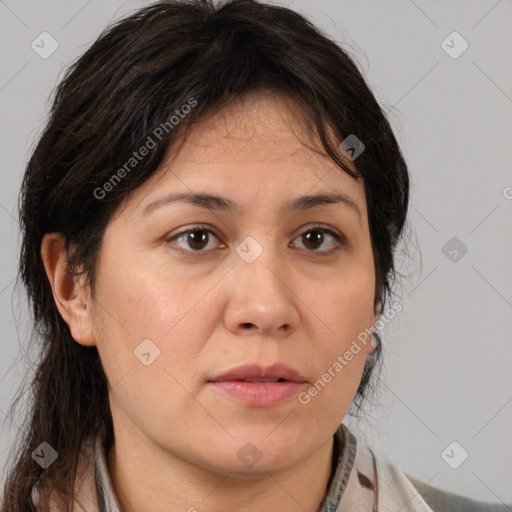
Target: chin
{"type": "Point", "coordinates": [254, 459]}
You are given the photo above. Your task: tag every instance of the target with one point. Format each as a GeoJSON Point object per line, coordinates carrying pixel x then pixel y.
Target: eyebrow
{"type": "Point", "coordinates": [214, 202]}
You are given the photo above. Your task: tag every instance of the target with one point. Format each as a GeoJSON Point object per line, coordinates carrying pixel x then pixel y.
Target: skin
{"type": "Point", "coordinates": [177, 438]}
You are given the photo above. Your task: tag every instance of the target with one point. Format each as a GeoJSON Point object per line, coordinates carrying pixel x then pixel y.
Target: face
{"type": "Point", "coordinates": [187, 293]}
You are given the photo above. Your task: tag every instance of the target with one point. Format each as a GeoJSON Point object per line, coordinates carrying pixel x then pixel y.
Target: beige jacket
{"type": "Point", "coordinates": [362, 481]}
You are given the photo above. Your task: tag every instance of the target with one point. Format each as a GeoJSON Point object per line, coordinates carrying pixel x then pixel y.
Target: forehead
{"type": "Point", "coordinates": [262, 126]}
{"type": "Point", "coordinates": [257, 146]}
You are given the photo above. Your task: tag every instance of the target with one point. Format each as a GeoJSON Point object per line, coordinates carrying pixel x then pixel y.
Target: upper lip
{"type": "Point", "coordinates": [256, 371]}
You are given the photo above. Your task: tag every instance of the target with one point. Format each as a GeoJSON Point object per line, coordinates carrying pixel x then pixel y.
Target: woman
{"type": "Point", "coordinates": [208, 222]}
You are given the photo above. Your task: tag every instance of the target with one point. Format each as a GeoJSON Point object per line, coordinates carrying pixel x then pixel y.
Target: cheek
{"type": "Point", "coordinates": [336, 383]}
{"type": "Point", "coordinates": [343, 315]}
{"type": "Point", "coordinates": [343, 310]}
{"type": "Point", "coordinates": [343, 301]}
{"type": "Point", "coordinates": [137, 302]}
{"type": "Point", "coordinates": [145, 314]}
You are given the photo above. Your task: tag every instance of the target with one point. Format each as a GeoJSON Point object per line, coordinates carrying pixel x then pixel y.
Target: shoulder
{"type": "Point", "coordinates": [443, 501]}
{"type": "Point", "coordinates": [394, 482]}
{"type": "Point", "coordinates": [377, 479]}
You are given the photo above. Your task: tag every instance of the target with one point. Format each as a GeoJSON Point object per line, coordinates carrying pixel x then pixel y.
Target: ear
{"type": "Point", "coordinates": [377, 312]}
{"type": "Point", "coordinates": [375, 317]}
{"type": "Point", "coordinates": [71, 297]}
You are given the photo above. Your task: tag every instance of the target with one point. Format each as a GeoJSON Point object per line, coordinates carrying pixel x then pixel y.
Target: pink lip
{"type": "Point", "coordinates": [260, 394]}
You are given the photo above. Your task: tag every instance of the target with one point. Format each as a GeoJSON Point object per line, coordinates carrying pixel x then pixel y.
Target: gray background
{"type": "Point", "coordinates": [448, 353]}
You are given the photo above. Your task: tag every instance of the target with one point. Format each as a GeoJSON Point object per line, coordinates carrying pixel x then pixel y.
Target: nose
{"type": "Point", "coordinates": [263, 300]}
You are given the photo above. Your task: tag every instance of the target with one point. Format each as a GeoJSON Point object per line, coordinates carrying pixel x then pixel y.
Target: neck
{"type": "Point", "coordinates": [145, 482]}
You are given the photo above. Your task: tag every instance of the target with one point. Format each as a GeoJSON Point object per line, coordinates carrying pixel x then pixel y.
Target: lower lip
{"type": "Point", "coordinates": [260, 394]}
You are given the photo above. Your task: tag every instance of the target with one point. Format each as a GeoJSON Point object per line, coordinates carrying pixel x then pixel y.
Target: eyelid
{"type": "Point", "coordinates": [192, 227]}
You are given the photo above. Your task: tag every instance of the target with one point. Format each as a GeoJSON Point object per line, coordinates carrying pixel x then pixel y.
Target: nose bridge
{"type": "Point", "coordinates": [260, 296]}
{"type": "Point", "coordinates": [260, 261]}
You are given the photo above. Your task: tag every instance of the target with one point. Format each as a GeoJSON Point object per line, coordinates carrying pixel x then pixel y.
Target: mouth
{"type": "Point", "coordinates": [277, 372]}
{"type": "Point", "coordinates": [262, 380]}
{"type": "Point", "coordinates": [260, 386]}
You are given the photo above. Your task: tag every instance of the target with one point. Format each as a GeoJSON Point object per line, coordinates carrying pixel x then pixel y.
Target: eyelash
{"type": "Point", "coordinates": [340, 239]}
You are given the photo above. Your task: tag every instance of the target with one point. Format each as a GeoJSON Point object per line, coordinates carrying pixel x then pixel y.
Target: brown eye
{"type": "Point", "coordinates": [196, 239]}
{"type": "Point", "coordinates": [317, 236]}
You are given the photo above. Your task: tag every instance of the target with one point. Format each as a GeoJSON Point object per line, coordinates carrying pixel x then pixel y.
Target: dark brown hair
{"type": "Point", "coordinates": [128, 83]}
